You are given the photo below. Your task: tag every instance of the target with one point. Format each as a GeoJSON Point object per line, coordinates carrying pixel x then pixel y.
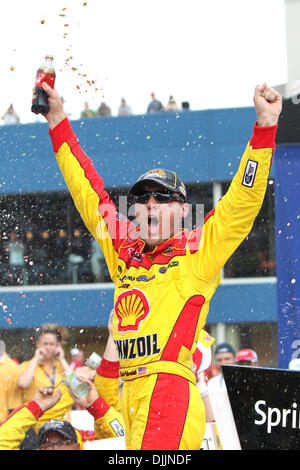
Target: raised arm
{"type": "Point", "coordinates": [86, 187]}
{"type": "Point", "coordinates": [231, 221]}
{"type": "Point", "coordinates": [14, 428]}
{"type": "Point", "coordinates": [107, 374]}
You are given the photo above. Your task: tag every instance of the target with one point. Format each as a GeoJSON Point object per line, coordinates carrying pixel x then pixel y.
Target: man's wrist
{"type": "Point", "coordinates": [98, 408]}
{"type": "Point", "coordinates": [35, 408]}
{"type": "Point", "coordinates": [54, 120]}
{"type": "Point", "coordinates": [263, 137]}
{"type": "Point", "coordinates": [266, 122]}
{"type": "Point", "coordinates": [108, 368]}
{"type": "Point", "coordinates": [61, 133]}
{"type": "Point", "coordinates": [40, 405]}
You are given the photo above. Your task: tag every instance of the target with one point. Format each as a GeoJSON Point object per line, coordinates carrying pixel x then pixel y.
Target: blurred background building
{"type": "Point", "coordinates": [50, 269]}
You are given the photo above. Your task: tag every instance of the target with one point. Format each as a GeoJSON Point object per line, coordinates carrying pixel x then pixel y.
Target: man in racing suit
{"type": "Point", "coordinates": [164, 283]}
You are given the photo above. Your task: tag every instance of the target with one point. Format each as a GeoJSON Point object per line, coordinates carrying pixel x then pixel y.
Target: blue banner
{"type": "Point", "coordinates": [287, 226]}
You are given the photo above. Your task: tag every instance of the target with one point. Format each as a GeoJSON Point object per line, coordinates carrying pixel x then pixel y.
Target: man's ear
{"type": "Point", "coordinates": [185, 208]}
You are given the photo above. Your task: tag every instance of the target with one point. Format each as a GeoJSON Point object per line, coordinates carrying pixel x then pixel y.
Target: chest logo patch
{"type": "Point", "coordinates": [131, 307]}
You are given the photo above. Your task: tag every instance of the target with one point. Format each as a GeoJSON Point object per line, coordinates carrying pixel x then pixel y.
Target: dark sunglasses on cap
{"type": "Point", "coordinates": [162, 196]}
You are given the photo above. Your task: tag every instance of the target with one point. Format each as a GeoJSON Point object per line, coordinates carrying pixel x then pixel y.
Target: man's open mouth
{"type": "Point", "coordinates": [153, 226]}
{"type": "Point", "coordinates": [152, 221]}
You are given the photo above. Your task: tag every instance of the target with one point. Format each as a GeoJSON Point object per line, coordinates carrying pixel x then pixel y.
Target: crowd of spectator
{"type": "Point", "coordinates": [36, 258]}
{"type": "Point", "coordinates": [28, 384]}
{"type": "Point", "coordinates": [124, 109]}
{"type": "Point", "coordinates": [154, 106]}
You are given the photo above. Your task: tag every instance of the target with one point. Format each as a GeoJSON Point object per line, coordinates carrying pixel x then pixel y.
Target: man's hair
{"type": "Point", "coordinates": [30, 441]}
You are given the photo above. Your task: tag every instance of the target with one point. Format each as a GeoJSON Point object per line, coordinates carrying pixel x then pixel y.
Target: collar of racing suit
{"type": "Point", "coordinates": [178, 241]}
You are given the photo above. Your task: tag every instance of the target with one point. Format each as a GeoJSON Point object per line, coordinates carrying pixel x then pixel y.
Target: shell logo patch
{"type": "Point", "coordinates": [131, 307]}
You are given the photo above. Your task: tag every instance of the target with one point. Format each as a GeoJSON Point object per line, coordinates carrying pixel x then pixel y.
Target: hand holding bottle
{"type": "Point", "coordinates": [45, 74]}
{"type": "Point", "coordinates": [56, 113]}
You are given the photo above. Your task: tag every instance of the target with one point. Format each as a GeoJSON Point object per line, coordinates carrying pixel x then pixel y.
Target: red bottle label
{"type": "Point", "coordinates": [42, 77]}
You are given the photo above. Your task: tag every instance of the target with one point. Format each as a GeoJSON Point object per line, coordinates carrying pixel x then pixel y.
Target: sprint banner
{"type": "Point", "coordinates": [265, 405]}
{"type": "Point", "coordinates": [287, 229]}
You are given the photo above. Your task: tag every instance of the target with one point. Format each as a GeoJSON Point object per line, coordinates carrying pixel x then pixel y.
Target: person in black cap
{"type": "Point", "coordinates": [17, 431]}
{"type": "Point", "coordinates": [224, 354]}
{"type": "Point", "coordinates": [164, 275]}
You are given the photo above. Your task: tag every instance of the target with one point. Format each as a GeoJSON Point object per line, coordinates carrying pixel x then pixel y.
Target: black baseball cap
{"type": "Point", "coordinates": [62, 427]}
{"type": "Point", "coordinates": [166, 178]}
{"type": "Point", "coordinates": [224, 348]}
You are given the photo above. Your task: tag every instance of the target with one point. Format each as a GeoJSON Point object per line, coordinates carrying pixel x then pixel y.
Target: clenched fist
{"type": "Point", "coordinates": [268, 105]}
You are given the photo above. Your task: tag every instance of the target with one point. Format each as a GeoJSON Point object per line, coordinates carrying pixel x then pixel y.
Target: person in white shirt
{"type": "Point", "coordinates": [224, 354]}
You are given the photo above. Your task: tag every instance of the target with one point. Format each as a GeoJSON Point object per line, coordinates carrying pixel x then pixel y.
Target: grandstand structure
{"type": "Point", "coordinates": [257, 304]}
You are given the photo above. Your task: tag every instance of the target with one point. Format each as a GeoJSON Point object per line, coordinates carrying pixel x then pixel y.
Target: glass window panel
{"type": "Point", "coordinates": [255, 257]}
{"type": "Point", "coordinates": [39, 232]}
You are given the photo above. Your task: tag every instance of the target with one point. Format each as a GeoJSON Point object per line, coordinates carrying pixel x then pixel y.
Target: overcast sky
{"type": "Point", "coordinates": [211, 53]}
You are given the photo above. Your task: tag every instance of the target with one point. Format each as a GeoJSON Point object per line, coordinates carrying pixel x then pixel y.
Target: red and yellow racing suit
{"type": "Point", "coordinates": [107, 383]}
{"type": "Point", "coordinates": [108, 424]}
{"type": "Point", "coordinates": [162, 297]}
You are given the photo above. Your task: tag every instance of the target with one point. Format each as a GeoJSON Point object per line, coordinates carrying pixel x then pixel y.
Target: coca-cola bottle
{"type": "Point", "coordinates": [45, 73]}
